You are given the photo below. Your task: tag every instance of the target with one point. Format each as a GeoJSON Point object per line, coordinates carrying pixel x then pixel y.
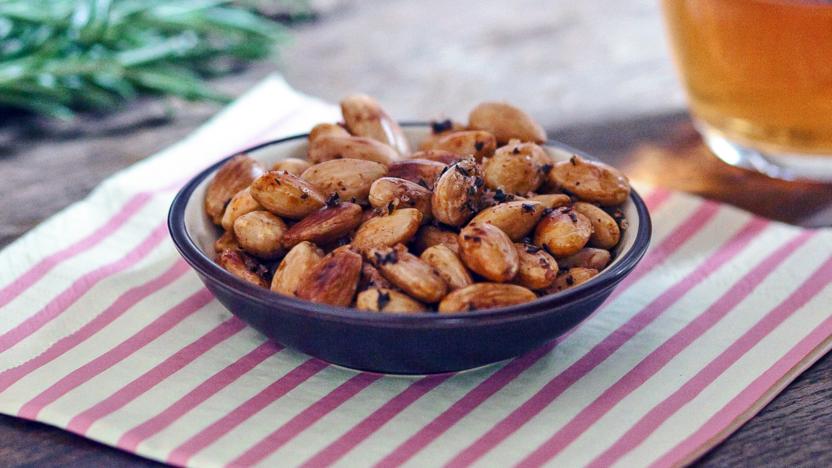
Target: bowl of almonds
{"type": "Point", "coordinates": [412, 248]}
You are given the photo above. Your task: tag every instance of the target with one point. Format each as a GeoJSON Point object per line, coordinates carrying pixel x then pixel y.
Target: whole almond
{"type": "Point", "coordinates": [333, 280]}
{"type": "Point", "coordinates": [538, 269]}
{"type": "Point", "coordinates": [240, 204]}
{"type": "Point", "coordinates": [327, 148]}
{"type": "Point", "coordinates": [448, 265]}
{"type": "Point", "coordinates": [327, 129]}
{"type": "Point", "coordinates": [293, 166]}
{"type": "Point", "coordinates": [484, 296]}
{"type": "Point", "coordinates": [513, 170]}
{"type": "Point", "coordinates": [372, 278]}
{"type": "Point", "coordinates": [505, 122]}
{"type": "Point", "coordinates": [388, 230]}
{"type": "Point", "coordinates": [596, 259]}
{"type": "Point", "coordinates": [294, 266]}
{"type": "Point", "coordinates": [419, 171]}
{"type": "Point", "coordinates": [387, 300]}
{"type": "Point", "coordinates": [260, 233]}
{"type": "Point", "coordinates": [349, 179]}
{"type": "Point", "coordinates": [325, 225]}
{"type": "Point", "coordinates": [571, 278]}
{"type": "Point", "coordinates": [456, 193]}
{"type": "Point", "coordinates": [605, 231]}
{"type": "Point", "coordinates": [243, 266]}
{"type": "Point", "coordinates": [408, 272]}
{"type": "Point", "coordinates": [516, 218]}
{"type": "Point", "coordinates": [442, 156]}
{"type": "Point", "coordinates": [591, 181]}
{"type": "Point", "coordinates": [428, 236]}
{"type": "Point", "coordinates": [286, 195]}
{"type": "Point", "coordinates": [391, 193]}
{"type": "Point", "coordinates": [364, 117]}
{"type": "Point", "coordinates": [563, 232]}
{"type": "Point", "coordinates": [468, 142]}
{"type": "Point", "coordinates": [488, 251]}
{"type": "Point", "coordinates": [226, 242]}
{"type": "Point", "coordinates": [233, 176]}
{"type": "Point", "coordinates": [551, 200]}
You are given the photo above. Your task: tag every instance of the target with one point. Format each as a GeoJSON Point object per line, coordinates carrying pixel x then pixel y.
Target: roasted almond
{"type": "Point", "coordinates": [428, 236]}
{"type": "Point", "coordinates": [552, 200]}
{"type": "Point", "coordinates": [591, 181]}
{"type": "Point", "coordinates": [448, 265]}
{"type": "Point", "coordinates": [456, 193]}
{"type": "Point", "coordinates": [387, 300]}
{"type": "Point", "coordinates": [476, 143]}
{"type": "Point", "coordinates": [286, 195]}
{"type": "Point", "coordinates": [484, 296]}
{"type": "Point", "coordinates": [514, 169]}
{"type": "Point", "coordinates": [408, 272]}
{"type": "Point", "coordinates": [240, 204]}
{"type": "Point", "coordinates": [226, 242]}
{"type": "Point", "coordinates": [325, 225]}
{"type": "Point", "coordinates": [327, 148]}
{"type": "Point", "coordinates": [537, 270]}
{"type": "Point", "coordinates": [233, 176]}
{"type": "Point", "coordinates": [388, 230]}
{"type": "Point", "coordinates": [333, 280]}
{"type": "Point", "coordinates": [505, 122]}
{"type": "Point", "coordinates": [371, 278]}
{"type": "Point", "coordinates": [419, 171]}
{"type": "Point", "coordinates": [488, 251]}
{"type": "Point", "coordinates": [364, 117]}
{"type": "Point", "coordinates": [571, 278]}
{"type": "Point", "coordinates": [442, 156]}
{"type": "Point", "coordinates": [605, 231]}
{"type": "Point", "coordinates": [327, 129]}
{"type": "Point", "coordinates": [293, 166]}
{"type": "Point", "coordinates": [596, 259]}
{"type": "Point", "coordinates": [563, 232]}
{"type": "Point", "coordinates": [391, 193]}
{"type": "Point", "coordinates": [349, 179]}
{"type": "Point", "coordinates": [516, 218]}
{"type": "Point", "coordinates": [241, 265]}
{"type": "Point", "coordinates": [260, 233]}
{"type": "Point", "coordinates": [294, 266]}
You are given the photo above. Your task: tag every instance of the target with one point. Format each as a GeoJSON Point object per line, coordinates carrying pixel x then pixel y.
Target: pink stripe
{"type": "Point", "coordinates": [555, 387]}
{"type": "Point", "coordinates": [111, 313]}
{"type": "Point", "coordinates": [182, 454]}
{"type": "Point", "coordinates": [140, 385]}
{"type": "Point", "coordinates": [507, 374]}
{"type": "Point", "coordinates": [77, 289]}
{"type": "Point", "coordinates": [657, 359]}
{"type": "Point", "coordinates": [306, 418]}
{"type": "Point", "coordinates": [79, 376]}
{"type": "Point", "coordinates": [209, 387]}
{"type": "Point", "coordinates": [816, 282]}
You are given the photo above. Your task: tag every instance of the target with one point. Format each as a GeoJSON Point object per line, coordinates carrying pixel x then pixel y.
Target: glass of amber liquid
{"type": "Point", "coordinates": [758, 75]}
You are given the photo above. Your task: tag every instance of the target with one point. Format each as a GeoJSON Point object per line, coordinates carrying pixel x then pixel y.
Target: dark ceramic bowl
{"type": "Point", "coordinates": [396, 344]}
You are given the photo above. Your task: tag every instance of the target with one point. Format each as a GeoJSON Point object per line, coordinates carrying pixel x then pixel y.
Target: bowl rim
{"type": "Point", "coordinates": [206, 266]}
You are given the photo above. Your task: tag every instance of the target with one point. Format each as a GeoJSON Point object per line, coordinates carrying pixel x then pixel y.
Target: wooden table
{"type": "Point", "coordinates": [796, 428]}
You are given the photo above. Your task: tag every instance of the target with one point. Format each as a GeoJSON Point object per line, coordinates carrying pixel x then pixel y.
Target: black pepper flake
{"type": "Point", "coordinates": [444, 170]}
{"type": "Point", "coordinates": [543, 262]}
{"type": "Point", "coordinates": [516, 150]}
{"type": "Point", "coordinates": [304, 196]}
{"type": "Point", "coordinates": [570, 280]}
{"type": "Point", "coordinates": [499, 195]}
{"type": "Point", "coordinates": [478, 182]}
{"type": "Point", "coordinates": [547, 211]}
{"type": "Point", "coordinates": [441, 126]}
{"type": "Point", "coordinates": [333, 200]}
{"type": "Point", "coordinates": [389, 257]}
{"type": "Point", "coordinates": [577, 183]}
{"type": "Point", "coordinates": [382, 300]}
{"type": "Point", "coordinates": [527, 208]}
{"type": "Point", "coordinates": [423, 183]}
{"type": "Point", "coordinates": [531, 248]}
{"type": "Point", "coordinates": [573, 217]}
{"type": "Point", "coordinates": [390, 207]}
{"type": "Point", "coordinates": [546, 168]}
{"type": "Point", "coordinates": [574, 160]}
{"type": "Point", "coordinates": [461, 170]}
{"type": "Point", "coordinates": [479, 145]}
{"type": "Point", "coordinates": [472, 190]}
{"type": "Point", "coordinates": [277, 181]}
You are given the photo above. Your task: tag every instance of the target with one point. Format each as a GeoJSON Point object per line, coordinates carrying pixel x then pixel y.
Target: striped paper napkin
{"type": "Point", "coordinates": [107, 333]}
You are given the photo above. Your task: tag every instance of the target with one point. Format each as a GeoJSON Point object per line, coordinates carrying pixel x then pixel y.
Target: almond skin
{"type": "Point", "coordinates": [243, 266]}
{"type": "Point", "coordinates": [240, 204]}
{"type": "Point", "coordinates": [448, 265]}
{"type": "Point", "coordinates": [327, 148]}
{"type": "Point", "coordinates": [538, 269]}
{"type": "Point", "coordinates": [516, 218]}
{"type": "Point", "coordinates": [294, 267]}
{"type": "Point", "coordinates": [476, 143]}
{"type": "Point", "coordinates": [423, 172]}
{"type": "Point", "coordinates": [235, 175]}
{"type": "Point", "coordinates": [327, 129]}
{"type": "Point", "coordinates": [325, 225]}
{"type": "Point", "coordinates": [571, 278]}
{"type": "Point", "coordinates": [563, 232]}
{"type": "Point", "coordinates": [428, 236]}
{"type": "Point", "coordinates": [260, 233]}
{"type": "Point", "coordinates": [391, 193]}
{"type": "Point", "coordinates": [408, 272]}
{"type": "Point", "coordinates": [350, 179]}
{"type": "Point", "coordinates": [293, 166]}
{"type": "Point", "coordinates": [484, 296]}
{"type": "Point", "coordinates": [387, 300]}
{"type": "Point", "coordinates": [365, 117]}
{"type": "Point", "coordinates": [388, 230]}
{"type": "Point", "coordinates": [596, 259]}
{"type": "Point", "coordinates": [333, 280]}
{"type": "Point", "coordinates": [488, 251]}
{"type": "Point", "coordinates": [456, 193]}
{"type": "Point", "coordinates": [513, 170]}
{"type": "Point", "coordinates": [605, 231]}
{"type": "Point", "coordinates": [591, 181]}
{"type": "Point", "coordinates": [505, 122]}
{"type": "Point", "coordinates": [286, 195]}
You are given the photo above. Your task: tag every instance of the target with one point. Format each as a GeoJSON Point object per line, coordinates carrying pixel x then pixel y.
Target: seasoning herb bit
{"type": "Point", "coordinates": [479, 145]}
{"type": "Point", "coordinates": [389, 257]}
{"type": "Point", "coordinates": [573, 217]}
{"type": "Point", "coordinates": [531, 248]}
{"type": "Point", "coordinates": [461, 170]}
{"type": "Point", "coordinates": [547, 211]}
{"type": "Point", "coordinates": [333, 200]}
{"type": "Point", "coordinates": [441, 126]}
{"type": "Point", "coordinates": [516, 150]}
{"type": "Point", "coordinates": [423, 183]}
{"type": "Point", "coordinates": [277, 181]}
{"type": "Point", "coordinates": [574, 160]}
{"type": "Point", "coordinates": [527, 208]}
{"type": "Point", "coordinates": [304, 196]}
{"type": "Point", "coordinates": [382, 300]}
{"type": "Point", "coordinates": [390, 207]}
{"type": "Point", "coordinates": [499, 195]}
{"type": "Point", "coordinates": [479, 182]}
{"type": "Point", "coordinates": [570, 280]}
{"type": "Point", "coordinates": [577, 183]}
{"type": "Point", "coordinates": [543, 262]}
{"type": "Point", "coordinates": [546, 168]}
{"type": "Point", "coordinates": [472, 190]}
